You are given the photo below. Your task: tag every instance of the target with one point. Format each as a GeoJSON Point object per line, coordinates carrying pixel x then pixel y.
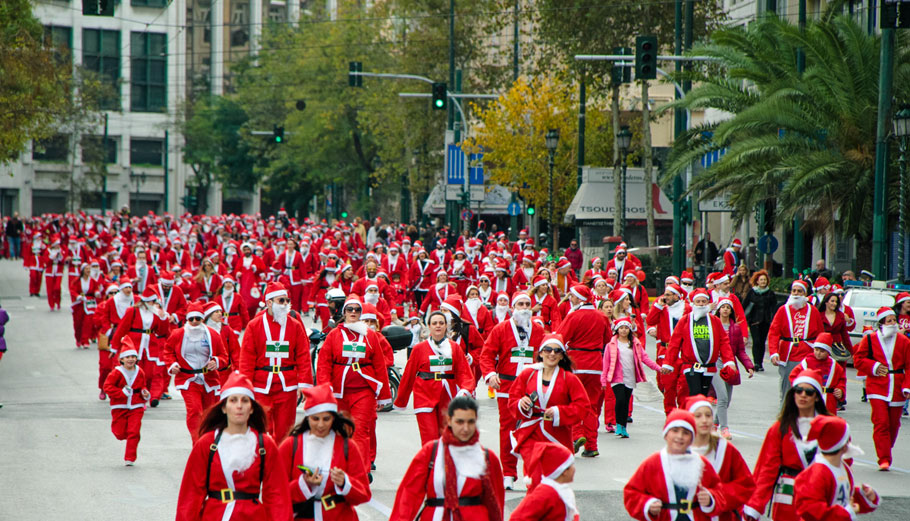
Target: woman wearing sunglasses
{"type": "Point", "coordinates": [786, 450]}
{"type": "Point", "coordinates": [548, 399]}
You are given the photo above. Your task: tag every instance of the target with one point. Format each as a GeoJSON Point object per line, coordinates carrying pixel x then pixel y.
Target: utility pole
{"type": "Point", "coordinates": [798, 219]}
{"type": "Point", "coordinates": [513, 220]}
{"type": "Point", "coordinates": [582, 101]}
{"type": "Point", "coordinates": [879, 215]}
{"type": "Point", "coordinates": [451, 206]}
{"type": "Point", "coordinates": [104, 169]}
{"type": "Point", "coordinates": [679, 228]}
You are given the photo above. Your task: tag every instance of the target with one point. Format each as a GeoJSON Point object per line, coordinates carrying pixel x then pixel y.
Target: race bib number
{"type": "Point", "coordinates": [440, 364]}
{"type": "Point", "coordinates": [521, 355]}
{"type": "Point", "coordinates": [277, 349]}
{"type": "Point", "coordinates": [783, 490]}
{"type": "Point", "coordinates": [354, 349]}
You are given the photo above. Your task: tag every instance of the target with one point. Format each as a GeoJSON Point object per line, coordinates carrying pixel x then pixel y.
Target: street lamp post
{"type": "Point", "coordinates": [624, 139]}
{"type": "Point", "coordinates": [552, 140]}
{"type": "Point", "coordinates": [902, 133]}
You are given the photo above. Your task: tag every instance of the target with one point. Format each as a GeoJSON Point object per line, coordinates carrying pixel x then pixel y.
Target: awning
{"type": "Point", "coordinates": [594, 201]}
{"type": "Point", "coordinates": [496, 201]}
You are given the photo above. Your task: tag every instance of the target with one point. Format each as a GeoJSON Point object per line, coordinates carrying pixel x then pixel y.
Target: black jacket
{"type": "Point", "coordinates": [760, 308]}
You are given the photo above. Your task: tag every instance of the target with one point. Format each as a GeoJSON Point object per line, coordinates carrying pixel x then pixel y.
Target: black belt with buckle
{"type": "Point", "coordinates": [306, 509]}
{"type": "Point", "coordinates": [194, 371]}
{"type": "Point", "coordinates": [684, 506]}
{"type": "Point", "coordinates": [143, 331]}
{"type": "Point", "coordinates": [829, 390]}
{"type": "Point", "coordinates": [467, 501]}
{"type": "Point", "coordinates": [427, 375]}
{"type": "Point", "coordinates": [225, 368]}
{"type": "Point", "coordinates": [227, 495]}
{"type": "Point", "coordinates": [279, 368]}
{"type": "Point", "coordinates": [796, 339]}
{"type": "Point", "coordinates": [507, 377]}
{"type": "Point", "coordinates": [587, 349]}
{"type": "Point", "coordinates": [895, 371]}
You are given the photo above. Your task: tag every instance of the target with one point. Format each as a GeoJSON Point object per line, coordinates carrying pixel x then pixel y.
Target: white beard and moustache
{"type": "Point", "coordinates": [501, 312]}
{"type": "Point", "coordinates": [688, 287]}
{"type": "Point", "coordinates": [473, 304]}
{"type": "Point", "coordinates": [227, 292]}
{"type": "Point", "coordinates": [358, 327]}
{"type": "Point", "coordinates": [280, 313]}
{"type": "Point", "coordinates": [797, 301]}
{"type": "Point", "coordinates": [122, 301]}
{"type": "Point", "coordinates": [94, 273]}
{"type": "Point", "coordinates": [330, 278]}
{"type": "Point", "coordinates": [214, 324]}
{"type": "Point", "coordinates": [699, 312]}
{"type": "Point", "coordinates": [194, 332]}
{"type": "Point", "coordinates": [522, 317]}
{"type": "Point", "coordinates": [441, 285]}
{"type": "Point", "coordinates": [685, 469]}
{"type": "Point", "coordinates": [889, 331]}
{"type": "Point", "coordinates": [371, 298]}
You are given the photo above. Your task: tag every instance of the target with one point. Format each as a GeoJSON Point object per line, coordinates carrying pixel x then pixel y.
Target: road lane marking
{"type": "Point", "coordinates": [379, 507]}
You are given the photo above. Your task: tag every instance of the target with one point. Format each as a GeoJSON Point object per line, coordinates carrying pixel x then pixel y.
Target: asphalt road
{"type": "Point", "coordinates": [60, 460]}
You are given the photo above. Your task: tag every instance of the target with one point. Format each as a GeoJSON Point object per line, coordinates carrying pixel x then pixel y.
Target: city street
{"type": "Point", "coordinates": [60, 460]}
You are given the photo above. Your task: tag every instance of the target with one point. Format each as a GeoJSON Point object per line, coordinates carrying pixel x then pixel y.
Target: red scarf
{"type": "Point", "coordinates": [451, 484]}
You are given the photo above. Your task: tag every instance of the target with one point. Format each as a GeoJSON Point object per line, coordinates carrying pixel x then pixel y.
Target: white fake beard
{"type": "Point", "coordinates": [371, 298]}
{"type": "Point", "coordinates": [194, 332]}
{"type": "Point", "coordinates": [501, 312]}
{"type": "Point", "coordinates": [358, 327]}
{"type": "Point", "coordinates": [227, 292]}
{"type": "Point", "coordinates": [529, 272]}
{"type": "Point", "coordinates": [393, 259]}
{"type": "Point", "coordinates": [685, 469]}
{"type": "Point", "coordinates": [473, 304]}
{"type": "Point", "coordinates": [853, 451]}
{"type": "Point", "coordinates": [522, 317]}
{"type": "Point", "coordinates": [280, 313]}
{"type": "Point", "coordinates": [239, 450]}
{"type": "Point", "coordinates": [889, 331]}
{"type": "Point", "coordinates": [94, 273]}
{"type": "Point", "coordinates": [140, 264]}
{"type": "Point", "coordinates": [213, 324]}
{"type": "Point", "coordinates": [330, 278]}
{"type": "Point", "coordinates": [699, 312]}
{"type": "Point", "coordinates": [470, 460]}
{"type": "Point", "coordinates": [797, 301]}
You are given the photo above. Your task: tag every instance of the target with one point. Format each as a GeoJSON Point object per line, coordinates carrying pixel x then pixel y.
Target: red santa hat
{"type": "Point", "coordinates": [555, 340]}
{"type": "Point", "coordinates": [503, 295]}
{"type": "Point", "coordinates": [394, 246]}
{"type": "Point", "coordinates": [237, 384]}
{"type": "Point", "coordinates": [540, 280]}
{"type": "Point", "coordinates": [529, 243]}
{"type": "Point", "coordinates": [672, 279]}
{"type": "Point", "coordinates": [679, 418]}
{"type": "Point", "coordinates": [166, 278]}
{"type": "Point", "coordinates": [563, 263]}
{"type": "Point", "coordinates": [621, 247]}
{"type": "Point", "coordinates": [687, 278]}
{"type": "Point", "coordinates": [112, 288]}
{"type": "Point", "coordinates": [824, 341]}
{"type": "Point", "coordinates": [547, 460]}
{"type": "Point", "coordinates": [502, 266]}
{"type": "Point", "coordinates": [523, 231]}
{"type": "Point", "coordinates": [527, 259]}
{"type": "Point", "coordinates": [352, 299]}
{"type": "Point", "coordinates": [882, 313]}
{"type": "Point", "coordinates": [228, 278]}
{"type": "Point", "coordinates": [485, 275]}
{"type": "Point", "coordinates": [726, 301]}
{"type": "Point", "coordinates": [127, 348]}
{"type": "Point", "coordinates": [821, 283]}
{"type": "Point", "coordinates": [693, 403]}
{"type": "Point", "coordinates": [369, 312]}
{"type": "Point", "coordinates": [699, 292]}
{"type": "Point", "coordinates": [801, 283]}
{"type": "Point", "coordinates": [275, 290]}
{"type": "Point", "coordinates": [453, 304]}
{"type": "Point", "coordinates": [319, 399]}
{"type": "Point", "coordinates": [519, 296]}
{"type": "Point", "coordinates": [720, 278]}
{"type": "Point", "coordinates": [677, 290]}
{"type": "Point", "coordinates": [441, 243]}
{"type": "Point", "coordinates": [736, 243]}
{"type": "Point", "coordinates": [831, 433]}
{"type": "Point", "coordinates": [623, 321]}
{"type": "Point", "coordinates": [126, 284]}
{"type": "Point", "coordinates": [210, 308]}
{"type": "Point", "coordinates": [581, 292]}
{"type": "Point", "coordinates": [195, 310]}
{"type": "Point", "coordinates": [810, 377]}
{"type": "Point", "coordinates": [149, 295]}
{"type": "Point", "coordinates": [902, 297]}
{"type": "Point", "coordinates": [618, 294]}
{"type": "Point", "coordinates": [460, 251]}
{"type": "Point", "coordinates": [595, 260]}
{"type": "Point", "coordinates": [611, 283]}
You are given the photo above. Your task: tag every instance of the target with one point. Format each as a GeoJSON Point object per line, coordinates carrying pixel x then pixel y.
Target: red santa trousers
{"type": "Point", "coordinates": [306, 297]}
{"type": "Point", "coordinates": [34, 282]}
{"type": "Point", "coordinates": [105, 364]}
{"type": "Point", "coordinates": [280, 412]}
{"type": "Point", "coordinates": [295, 293]}
{"type": "Point", "coordinates": [125, 424]}
{"type": "Point", "coordinates": [506, 425]}
{"type": "Point", "coordinates": [322, 313]}
{"type": "Point", "coordinates": [197, 400]}
{"type": "Point", "coordinates": [587, 428]}
{"type": "Point", "coordinates": [53, 291]}
{"type": "Point", "coordinates": [361, 404]}
{"type": "Point", "coordinates": [83, 324]}
{"type": "Point", "coordinates": [886, 421]}
{"type": "Point", "coordinates": [430, 424]}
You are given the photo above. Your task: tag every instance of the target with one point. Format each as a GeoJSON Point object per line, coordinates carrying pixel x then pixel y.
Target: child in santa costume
{"type": "Point", "coordinates": [453, 478]}
{"type": "Point", "coordinates": [548, 399]}
{"type": "Point", "coordinates": [737, 484]}
{"type": "Point", "coordinates": [510, 347]}
{"type": "Point", "coordinates": [275, 356]}
{"type": "Point", "coordinates": [885, 357]}
{"type": "Point", "coordinates": [193, 354]}
{"type": "Point", "coordinates": [833, 375]}
{"type": "Point", "coordinates": [146, 324]}
{"type": "Point", "coordinates": [436, 372]}
{"type": "Point", "coordinates": [213, 316]}
{"type": "Point", "coordinates": [234, 471]}
{"type": "Point", "coordinates": [352, 362]}
{"type": "Point", "coordinates": [674, 483]}
{"type": "Point", "coordinates": [126, 387]}
{"type": "Point", "coordinates": [553, 467]}
{"type": "Point", "coordinates": [825, 491]}
{"type": "Point", "coordinates": [786, 450]}
{"type": "Point", "coordinates": [327, 478]}
{"type": "Point", "coordinates": [725, 309]}
{"type": "Point", "coordinates": [623, 363]}
{"type": "Point", "coordinates": [793, 329]}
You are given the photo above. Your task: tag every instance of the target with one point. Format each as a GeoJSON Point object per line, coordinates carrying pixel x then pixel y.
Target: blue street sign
{"type": "Point", "coordinates": [767, 244]}
{"type": "Point", "coordinates": [514, 209]}
{"type": "Point", "coordinates": [455, 166]}
{"type": "Point", "coordinates": [475, 169]}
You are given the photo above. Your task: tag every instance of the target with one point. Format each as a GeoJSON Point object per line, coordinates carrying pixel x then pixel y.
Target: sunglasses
{"type": "Point", "coordinates": [808, 391]}
{"type": "Point", "coordinates": [350, 309]}
{"type": "Point", "coordinates": [194, 319]}
{"type": "Point", "coordinates": [281, 301]}
{"type": "Point", "coordinates": [550, 350]}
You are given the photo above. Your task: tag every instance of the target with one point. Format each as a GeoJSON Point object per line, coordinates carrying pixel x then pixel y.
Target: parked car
{"type": "Point", "coordinates": [866, 299]}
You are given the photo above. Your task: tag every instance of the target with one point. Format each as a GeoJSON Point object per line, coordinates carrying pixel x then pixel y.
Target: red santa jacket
{"type": "Point", "coordinates": [345, 456]}
{"type": "Point", "coordinates": [545, 504]}
{"type": "Point", "coordinates": [85, 293]}
{"type": "Point", "coordinates": [147, 335]}
{"type": "Point", "coordinates": [231, 343]}
{"type": "Point", "coordinates": [838, 329]}
{"type": "Point", "coordinates": [586, 331]}
{"type": "Point", "coordinates": [139, 283]}
{"type": "Point", "coordinates": [436, 297]}
{"type": "Point", "coordinates": [291, 264]}
{"type": "Point", "coordinates": [731, 261]}
{"type": "Point", "coordinates": [504, 354]}
{"type": "Point", "coordinates": [276, 359]}
{"type": "Point", "coordinates": [651, 482]}
{"type": "Point", "coordinates": [180, 260]}
{"type": "Point", "coordinates": [249, 276]}
{"type": "Point", "coordinates": [426, 482]}
{"type": "Point", "coordinates": [350, 360]}
{"type": "Point", "coordinates": [870, 354]}
{"type": "Point", "coordinates": [827, 493]}
{"type": "Point", "coordinates": [420, 275]}
{"type": "Point", "coordinates": [237, 313]}
{"type": "Point", "coordinates": [621, 270]}
{"type": "Point", "coordinates": [736, 482]}
{"type": "Point", "coordinates": [52, 263]}
{"type": "Point", "coordinates": [174, 302]}
{"type": "Point", "coordinates": [792, 331]}
{"type": "Point", "coordinates": [549, 311]}
{"type": "Point", "coordinates": [194, 504]}
{"type": "Point", "coordinates": [174, 355]}
{"type": "Point", "coordinates": [397, 265]}
{"type": "Point", "coordinates": [433, 377]}
{"type": "Point", "coordinates": [683, 346]}
{"type": "Point", "coordinates": [441, 257]}
{"type": "Point", "coordinates": [833, 377]}
{"type": "Point", "coordinates": [482, 320]}
{"type": "Point", "coordinates": [124, 389]}
{"type": "Point", "coordinates": [502, 284]}
{"type": "Point", "coordinates": [208, 287]}
{"type": "Point", "coordinates": [660, 321]}
{"type": "Point", "coordinates": [565, 392]}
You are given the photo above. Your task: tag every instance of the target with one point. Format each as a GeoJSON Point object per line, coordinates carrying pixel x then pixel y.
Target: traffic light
{"type": "Point", "coordinates": [646, 57]}
{"type": "Point", "coordinates": [98, 7]}
{"type": "Point", "coordinates": [277, 134]}
{"type": "Point", "coordinates": [344, 215]}
{"type": "Point", "coordinates": [531, 210]}
{"type": "Point", "coordinates": [439, 96]}
{"type": "Point", "coordinates": [620, 74]}
{"type": "Point", "coordinates": [355, 80]}
{"type": "Point", "coordinates": [189, 202]}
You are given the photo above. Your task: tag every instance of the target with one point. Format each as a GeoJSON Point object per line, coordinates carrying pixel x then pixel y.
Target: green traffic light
{"type": "Point", "coordinates": [277, 139]}
{"type": "Point", "coordinates": [531, 210]}
{"type": "Point", "coordinates": [344, 215]}
{"type": "Point", "coordinates": [439, 103]}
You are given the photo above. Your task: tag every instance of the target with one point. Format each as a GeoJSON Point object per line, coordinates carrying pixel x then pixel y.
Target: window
{"type": "Point", "coordinates": [146, 152]}
{"type": "Point", "coordinates": [61, 40]}
{"type": "Point", "coordinates": [149, 3]}
{"type": "Point", "coordinates": [101, 54]}
{"type": "Point", "coordinates": [54, 148]}
{"type": "Point", "coordinates": [149, 72]}
{"type": "Point", "coordinates": [93, 153]}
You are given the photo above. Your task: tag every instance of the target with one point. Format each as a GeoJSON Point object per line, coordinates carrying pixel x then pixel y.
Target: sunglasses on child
{"type": "Point", "coordinates": [808, 391]}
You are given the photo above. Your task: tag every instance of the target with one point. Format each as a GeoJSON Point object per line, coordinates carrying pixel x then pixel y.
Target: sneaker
{"type": "Point", "coordinates": [102, 396]}
{"type": "Point", "coordinates": [373, 466]}
{"type": "Point", "coordinates": [841, 408]}
{"type": "Point", "coordinates": [905, 413]}
{"type": "Point", "coordinates": [625, 433]}
{"type": "Point", "coordinates": [580, 442]}
{"type": "Point", "coordinates": [129, 463]}
{"type": "Point", "coordinates": [153, 403]}
{"type": "Point", "coordinates": [590, 454]}
{"type": "Point", "coordinates": [610, 428]}
{"type": "Point", "coordinates": [165, 396]}
{"type": "Point", "coordinates": [759, 369]}
{"type": "Point", "coordinates": [629, 419]}
{"type": "Point", "coordinates": [725, 432]}
{"type": "Point", "coordinates": [370, 476]}
{"type": "Point", "coordinates": [508, 482]}
{"type": "Point", "coordinates": [884, 466]}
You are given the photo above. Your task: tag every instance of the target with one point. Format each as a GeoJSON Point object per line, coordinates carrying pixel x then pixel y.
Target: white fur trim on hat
{"type": "Point", "coordinates": [237, 390]}
{"type": "Point", "coordinates": [884, 314]}
{"type": "Point", "coordinates": [194, 314]}
{"type": "Point", "coordinates": [723, 278]}
{"type": "Point", "coordinates": [577, 295]}
{"type": "Point", "coordinates": [276, 294]}
{"type": "Point", "coordinates": [840, 444]}
{"type": "Point", "coordinates": [701, 403]}
{"type": "Point", "coordinates": [451, 308]}
{"type": "Point", "coordinates": [675, 423]}
{"type": "Point", "coordinates": [543, 281]}
{"type": "Point", "coordinates": [562, 467]}
{"type": "Point", "coordinates": [553, 341]}
{"type": "Point", "coordinates": [808, 380]}
{"type": "Point", "coordinates": [126, 353]}
{"type": "Point", "coordinates": [368, 316]}
{"type": "Point", "coordinates": [822, 345]}
{"type": "Point", "coordinates": [322, 407]}
{"type": "Point", "coordinates": [520, 296]}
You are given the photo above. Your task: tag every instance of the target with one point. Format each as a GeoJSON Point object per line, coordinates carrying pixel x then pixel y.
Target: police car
{"type": "Point", "coordinates": [866, 298]}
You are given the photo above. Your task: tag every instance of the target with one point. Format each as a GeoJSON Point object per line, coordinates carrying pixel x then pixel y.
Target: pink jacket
{"type": "Point", "coordinates": [612, 368]}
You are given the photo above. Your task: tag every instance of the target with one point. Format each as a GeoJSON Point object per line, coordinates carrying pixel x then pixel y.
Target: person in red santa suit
{"type": "Point", "coordinates": [825, 491]}
{"type": "Point", "coordinates": [441, 256]}
{"type": "Point", "coordinates": [238, 315]}
{"type": "Point", "coordinates": [548, 399]}
{"type": "Point", "coordinates": [178, 258]}
{"type": "Point", "coordinates": [275, 355]}
{"type": "Point", "coordinates": [352, 361]}
{"type": "Point", "coordinates": [395, 262]}
{"type": "Point", "coordinates": [722, 285]}
{"type": "Point", "coordinates": [127, 388]}
{"type": "Point", "coordinates": [639, 297]}
{"type": "Point", "coordinates": [234, 471]}
{"type": "Point", "coordinates": [623, 361]}
{"type": "Point", "coordinates": [452, 477]}
{"type": "Point", "coordinates": [501, 282]}
{"type": "Point", "coordinates": [674, 483]}
{"type": "Point", "coordinates": [832, 374]}
{"type": "Point", "coordinates": [442, 288]}
{"type": "Point", "coordinates": [544, 305]}
{"type": "Point", "coordinates": [207, 280]}
{"type": "Point", "coordinates": [372, 296]}
{"type": "Point", "coordinates": [173, 299]}
{"type": "Point", "coordinates": [478, 314]}
{"type": "Point", "coordinates": [32, 262]}
{"type": "Point", "coordinates": [501, 310]}
{"type": "Point", "coordinates": [146, 324]}
{"type": "Point", "coordinates": [733, 257]}
{"type": "Point", "coordinates": [437, 371]}
{"type": "Point", "coordinates": [463, 332]}
{"type": "Point", "coordinates": [736, 482]}
{"type": "Point", "coordinates": [213, 317]}
{"type": "Point", "coordinates": [622, 263]}
{"type": "Point", "coordinates": [193, 354]}
{"type": "Point", "coordinates": [105, 357]}
{"type": "Point", "coordinates": [344, 279]}
{"type": "Point", "coordinates": [524, 275]}
{"type": "Point", "coordinates": [461, 272]}
{"type": "Point", "coordinates": [249, 271]}
{"type": "Point", "coordinates": [326, 476]}
{"type": "Point", "coordinates": [141, 272]}
{"type": "Point", "coordinates": [698, 341]}
{"type": "Point", "coordinates": [552, 466]}
{"type": "Point", "coordinates": [662, 319]}
{"type": "Point", "coordinates": [902, 310]}
{"type": "Point", "coordinates": [187, 283]}
{"type": "Point", "coordinates": [487, 295]}
{"type": "Point", "coordinates": [290, 263]}
{"type": "Point", "coordinates": [793, 328]}
{"type": "Point", "coordinates": [884, 357]}
{"type": "Point", "coordinates": [510, 347]}
{"type": "Point", "coordinates": [420, 276]}
{"type": "Point", "coordinates": [84, 292]}
{"type": "Point", "coordinates": [786, 451]}
{"type": "Point", "coordinates": [52, 260]}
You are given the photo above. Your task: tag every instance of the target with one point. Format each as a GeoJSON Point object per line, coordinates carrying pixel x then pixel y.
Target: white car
{"type": "Point", "coordinates": [866, 299]}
